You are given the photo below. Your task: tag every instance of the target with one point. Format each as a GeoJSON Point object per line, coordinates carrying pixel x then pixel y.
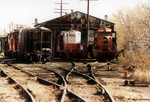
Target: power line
{"type": "Point", "coordinates": [88, 23]}
{"type": "Point", "coordinates": [61, 8]}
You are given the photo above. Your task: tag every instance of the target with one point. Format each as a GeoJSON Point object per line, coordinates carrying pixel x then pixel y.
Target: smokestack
{"type": "Point", "coordinates": [36, 21]}
{"type": "Point", "coordinates": [71, 10]}
{"type": "Point", "coordinates": [106, 17]}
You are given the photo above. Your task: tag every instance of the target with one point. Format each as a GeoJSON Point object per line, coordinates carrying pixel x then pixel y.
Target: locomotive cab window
{"type": "Point", "coordinates": [8, 36]}
{"type": "Point", "coordinates": [16, 35]}
{"type": "Point", "coordinates": [12, 36]}
{"type": "Point", "coordinates": [101, 34]}
{"type": "Point", "coordinates": [96, 35]}
{"type": "Point", "coordinates": [108, 34]}
{"type": "Point", "coordinates": [6, 39]}
{"type": "Point", "coordinates": [114, 35]}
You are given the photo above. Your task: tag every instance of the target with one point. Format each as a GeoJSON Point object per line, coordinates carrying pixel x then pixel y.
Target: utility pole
{"type": "Point", "coordinates": [88, 23]}
{"type": "Point", "coordinates": [61, 8]}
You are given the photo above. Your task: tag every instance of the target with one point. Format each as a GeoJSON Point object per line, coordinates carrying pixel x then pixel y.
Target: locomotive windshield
{"type": "Point", "coordinates": [108, 34]}
{"type": "Point", "coordinates": [6, 40]}
{"type": "Point", "coordinates": [101, 34]}
{"type": "Point", "coordinates": [12, 36]}
{"type": "Point", "coordinates": [96, 35]}
{"type": "Point", "coordinates": [16, 36]}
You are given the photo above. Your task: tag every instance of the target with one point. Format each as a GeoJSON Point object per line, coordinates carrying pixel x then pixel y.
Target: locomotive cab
{"type": "Point", "coordinates": [104, 47]}
{"type": "Point", "coordinates": [69, 45]}
{"type": "Point", "coordinates": [6, 46]}
{"type": "Point", "coordinates": [15, 43]}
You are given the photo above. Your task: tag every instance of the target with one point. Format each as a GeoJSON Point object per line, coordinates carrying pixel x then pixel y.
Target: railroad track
{"type": "Point", "coordinates": [69, 83]}
{"type": "Point", "coordinates": [93, 88]}
{"type": "Point", "coordinates": [27, 97]}
{"type": "Point", "coordinates": [78, 80]}
{"type": "Point", "coordinates": [59, 84]}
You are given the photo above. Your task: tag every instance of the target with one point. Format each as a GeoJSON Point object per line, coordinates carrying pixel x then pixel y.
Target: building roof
{"type": "Point", "coordinates": [76, 20]}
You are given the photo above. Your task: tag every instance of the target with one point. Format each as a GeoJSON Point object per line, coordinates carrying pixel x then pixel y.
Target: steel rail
{"type": "Point", "coordinates": [39, 79]}
{"type": "Point", "coordinates": [66, 78]}
{"type": "Point", "coordinates": [95, 80]}
{"type": "Point", "coordinates": [73, 67]}
{"type": "Point", "coordinates": [43, 81]}
{"type": "Point", "coordinates": [92, 75]}
{"type": "Point", "coordinates": [83, 100]}
{"type": "Point", "coordinates": [65, 85]}
{"type": "Point", "coordinates": [30, 98]}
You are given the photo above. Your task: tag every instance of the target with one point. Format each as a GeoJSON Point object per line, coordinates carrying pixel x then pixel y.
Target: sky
{"type": "Point", "coordinates": [23, 12]}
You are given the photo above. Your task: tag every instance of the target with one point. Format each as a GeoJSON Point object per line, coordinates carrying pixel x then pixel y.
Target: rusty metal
{"type": "Point", "coordinates": [104, 47]}
{"type": "Point", "coordinates": [106, 93]}
{"type": "Point", "coordinates": [45, 82]}
{"type": "Point", "coordinates": [76, 19]}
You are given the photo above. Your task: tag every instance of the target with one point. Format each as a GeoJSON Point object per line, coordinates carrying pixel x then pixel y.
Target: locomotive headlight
{"type": "Point", "coordinates": [105, 40]}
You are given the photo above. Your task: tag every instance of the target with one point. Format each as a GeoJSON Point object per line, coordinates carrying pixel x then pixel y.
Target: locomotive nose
{"type": "Point", "coordinates": [105, 40]}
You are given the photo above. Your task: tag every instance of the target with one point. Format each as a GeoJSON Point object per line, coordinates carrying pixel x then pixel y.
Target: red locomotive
{"type": "Point", "coordinates": [11, 44]}
{"type": "Point", "coordinates": [15, 43]}
{"type": "Point", "coordinates": [6, 46]}
{"type": "Point", "coordinates": [104, 47]}
{"type": "Point", "coordinates": [33, 44]}
{"type": "Point", "coordinates": [69, 45]}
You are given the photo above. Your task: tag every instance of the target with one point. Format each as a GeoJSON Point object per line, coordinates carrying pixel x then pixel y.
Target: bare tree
{"type": "Point", "coordinates": [132, 25]}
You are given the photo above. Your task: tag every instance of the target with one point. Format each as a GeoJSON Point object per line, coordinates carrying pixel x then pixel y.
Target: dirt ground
{"type": "Point", "coordinates": [8, 93]}
{"type": "Point", "coordinates": [112, 80]}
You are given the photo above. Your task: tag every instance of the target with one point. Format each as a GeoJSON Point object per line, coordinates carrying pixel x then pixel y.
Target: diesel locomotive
{"type": "Point", "coordinates": [69, 45]}
{"type": "Point", "coordinates": [32, 44]}
{"type": "Point", "coordinates": [105, 46]}
{"type": "Point", "coordinates": [11, 44]}
{"type": "Point", "coordinates": [35, 44]}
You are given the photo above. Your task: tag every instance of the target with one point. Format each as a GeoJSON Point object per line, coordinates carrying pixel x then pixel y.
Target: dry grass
{"type": "Point", "coordinates": [140, 61]}
{"type": "Point", "coordinates": [142, 76]}
{"type": "Point", "coordinates": [133, 25]}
